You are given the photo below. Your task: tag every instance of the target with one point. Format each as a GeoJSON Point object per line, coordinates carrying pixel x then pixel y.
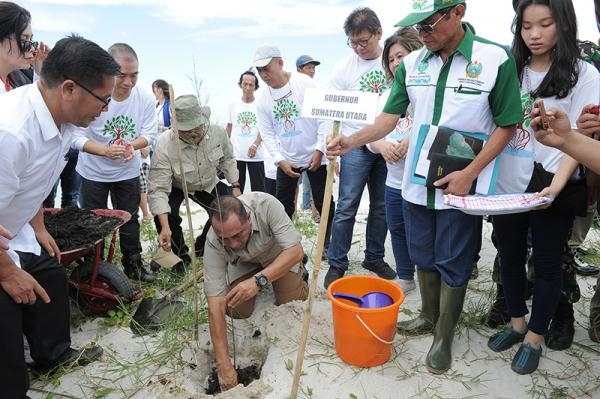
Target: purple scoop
{"type": "Point", "coordinates": [374, 299]}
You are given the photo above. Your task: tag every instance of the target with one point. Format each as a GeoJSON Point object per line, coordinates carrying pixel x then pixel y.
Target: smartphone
{"type": "Point", "coordinates": [545, 122]}
{"type": "Point", "coordinates": [594, 110]}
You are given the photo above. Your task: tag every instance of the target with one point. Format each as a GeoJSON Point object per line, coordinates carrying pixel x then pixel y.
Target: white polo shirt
{"type": "Point", "coordinates": [476, 90]}
{"type": "Point", "coordinates": [33, 153]}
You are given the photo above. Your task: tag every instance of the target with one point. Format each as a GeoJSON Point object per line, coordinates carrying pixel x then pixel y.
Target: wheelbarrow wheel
{"type": "Point", "coordinates": [110, 279]}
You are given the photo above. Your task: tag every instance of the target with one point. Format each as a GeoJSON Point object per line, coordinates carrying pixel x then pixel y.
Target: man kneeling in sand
{"type": "Point", "coordinates": [252, 243]}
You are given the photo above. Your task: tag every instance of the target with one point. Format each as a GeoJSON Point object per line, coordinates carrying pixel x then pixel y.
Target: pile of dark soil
{"type": "Point", "coordinates": [245, 376]}
{"type": "Point", "coordinates": [73, 228]}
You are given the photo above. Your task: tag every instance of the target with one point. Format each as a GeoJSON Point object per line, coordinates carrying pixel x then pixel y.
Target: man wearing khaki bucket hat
{"type": "Point", "coordinates": [467, 84]}
{"type": "Point", "coordinates": [205, 151]}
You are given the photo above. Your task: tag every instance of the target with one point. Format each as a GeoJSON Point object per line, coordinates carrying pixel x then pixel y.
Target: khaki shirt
{"type": "Point", "coordinates": [272, 232]}
{"type": "Point", "coordinates": [201, 164]}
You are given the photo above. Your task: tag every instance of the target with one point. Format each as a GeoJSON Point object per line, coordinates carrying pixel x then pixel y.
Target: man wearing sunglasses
{"type": "Point", "coordinates": [36, 131]}
{"type": "Point", "coordinates": [467, 84]}
{"type": "Point", "coordinates": [361, 71]}
{"type": "Point", "coordinates": [109, 160]}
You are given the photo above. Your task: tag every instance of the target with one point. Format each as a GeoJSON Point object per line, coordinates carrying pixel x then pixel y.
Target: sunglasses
{"type": "Point", "coordinates": [28, 45]}
{"type": "Point", "coordinates": [103, 101]}
{"type": "Point", "coordinates": [358, 43]}
{"type": "Point", "coordinates": [429, 28]}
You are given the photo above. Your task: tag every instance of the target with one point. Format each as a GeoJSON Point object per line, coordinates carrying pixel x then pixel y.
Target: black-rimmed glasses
{"type": "Point", "coordinates": [103, 101]}
{"type": "Point", "coordinates": [28, 45]}
{"type": "Point", "coordinates": [428, 28]}
{"type": "Point", "coordinates": [359, 43]}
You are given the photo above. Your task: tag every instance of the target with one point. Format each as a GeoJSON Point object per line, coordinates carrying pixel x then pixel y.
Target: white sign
{"type": "Point", "coordinates": [340, 105]}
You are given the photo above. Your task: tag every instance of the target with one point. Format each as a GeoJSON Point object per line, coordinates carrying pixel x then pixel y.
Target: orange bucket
{"type": "Point", "coordinates": [363, 336]}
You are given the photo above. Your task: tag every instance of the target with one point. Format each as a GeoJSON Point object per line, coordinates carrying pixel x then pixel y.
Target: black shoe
{"type": "Point", "coordinates": [135, 270]}
{"type": "Point", "coordinates": [140, 274]}
{"type": "Point", "coordinates": [582, 267]}
{"type": "Point", "coordinates": [498, 315]}
{"type": "Point", "coordinates": [71, 358]}
{"type": "Point", "coordinates": [304, 259]}
{"type": "Point", "coordinates": [561, 331]}
{"type": "Point", "coordinates": [505, 339]}
{"type": "Point", "coordinates": [178, 269]}
{"type": "Point", "coordinates": [333, 274]}
{"type": "Point", "coordinates": [380, 268]}
{"type": "Point", "coordinates": [186, 258]}
{"type": "Point", "coordinates": [526, 359]}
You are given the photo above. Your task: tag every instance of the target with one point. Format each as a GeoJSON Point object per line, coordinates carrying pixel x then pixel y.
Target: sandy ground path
{"type": "Point", "coordinates": [171, 365]}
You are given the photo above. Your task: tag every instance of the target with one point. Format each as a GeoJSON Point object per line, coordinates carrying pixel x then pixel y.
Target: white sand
{"type": "Point", "coordinates": [476, 370]}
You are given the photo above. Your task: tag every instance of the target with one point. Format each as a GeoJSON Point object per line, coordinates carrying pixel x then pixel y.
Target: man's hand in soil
{"type": "Point", "coordinates": [228, 377]}
{"type": "Point", "coordinates": [19, 284]}
{"type": "Point", "coordinates": [242, 292]}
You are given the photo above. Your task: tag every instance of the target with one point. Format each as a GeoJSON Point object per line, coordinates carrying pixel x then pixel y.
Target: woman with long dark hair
{"type": "Point", "coordinates": [19, 54]}
{"type": "Point", "coordinates": [160, 88]}
{"type": "Point", "coordinates": [550, 69]}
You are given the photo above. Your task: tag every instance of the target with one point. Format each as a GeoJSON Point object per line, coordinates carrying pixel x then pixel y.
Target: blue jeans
{"type": "Point", "coordinates": [405, 269]}
{"type": "Point", "coordinates": [359, 167]}
{"type": "Point", "coordinates": [442, 241]}
{"type": "Point", "coordinates": [305, 191]}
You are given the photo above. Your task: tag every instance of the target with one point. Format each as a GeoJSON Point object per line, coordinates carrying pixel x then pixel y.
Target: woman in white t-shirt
{"type": "Point", "coordinates": [393, 149]}
{"type": "Point", "coordinates": [550, 69]}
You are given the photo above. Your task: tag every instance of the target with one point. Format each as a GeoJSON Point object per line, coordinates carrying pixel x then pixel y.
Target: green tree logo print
{"type": "Point", "coordinates": [373, 82]}
{"type": "Point", "coordinates": [246, 120]}
{"type": "Point", "coordinates": [286, 111]}
{"type": "Point", "coordinates": [522, 138]}
{"type": "Point", "coordinates": [119, 128]}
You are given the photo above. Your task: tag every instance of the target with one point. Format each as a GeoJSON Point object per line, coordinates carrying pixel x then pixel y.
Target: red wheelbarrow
{"type": "Point", "coordinates": [98, 285]}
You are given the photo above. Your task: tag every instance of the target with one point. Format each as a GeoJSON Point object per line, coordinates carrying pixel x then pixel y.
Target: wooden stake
{"type": "Point", "coordinates": [316, 267]}
{"type": "Point", "coordinates": [187, 207]}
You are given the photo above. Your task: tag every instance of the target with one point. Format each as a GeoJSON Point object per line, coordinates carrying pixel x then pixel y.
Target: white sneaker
{"type": "Point", "coordinates": [406, 285]}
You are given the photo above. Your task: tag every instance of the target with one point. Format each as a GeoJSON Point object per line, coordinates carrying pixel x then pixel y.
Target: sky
{"type": "Point", "coordinates": [202, 46]}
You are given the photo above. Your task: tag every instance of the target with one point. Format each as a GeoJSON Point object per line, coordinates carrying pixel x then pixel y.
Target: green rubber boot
{"type": "Point", "coordinates": [439, 358]}
{"type": "Point", "coordinates": [429, 286]}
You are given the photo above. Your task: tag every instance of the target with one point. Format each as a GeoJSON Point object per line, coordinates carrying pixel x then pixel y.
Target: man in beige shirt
{"type": "Point", "coordinates": [205, 151]}
{"type": "Point", "coordinates": [252, 243]}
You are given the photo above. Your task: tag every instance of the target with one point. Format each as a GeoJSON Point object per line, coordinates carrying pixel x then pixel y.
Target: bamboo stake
{"type": "Point", "coordinates": [187, 208]}
{"type": "Point", "coordinates": [316, 267]}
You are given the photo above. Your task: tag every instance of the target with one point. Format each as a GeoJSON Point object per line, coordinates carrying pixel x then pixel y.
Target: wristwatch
{"type": "Point", "coordinates": [261, 280]}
